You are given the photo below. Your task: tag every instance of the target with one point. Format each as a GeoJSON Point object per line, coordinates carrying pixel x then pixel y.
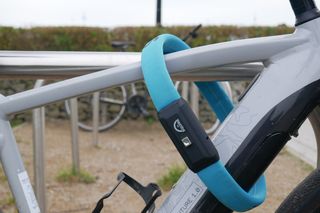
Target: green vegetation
{"type": "Point", "coordinates": [99, 39]}
{"type": "Point", "coordinates": [171, 177]}
{"type": "Point", "coordinates": [3, 178]}
{"type": "Point", "coordinates": [7, 201]}
{"type": "Point", "coordinates": [150, 120]}
{"type": "Point", "coordinates": [71, 175]}
{"type": "Point", "coordinates": [16, 122]}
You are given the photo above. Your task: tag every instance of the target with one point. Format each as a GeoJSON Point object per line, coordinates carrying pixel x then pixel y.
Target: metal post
{"type": "Point", "coordinates": [95, 117]}
{"type": "Point", "coordinates": [195, 99]}
{"type": "Point", "coordinates": [314, 118]}
{"type": "Point", "coordinates": [74, 134]}
{"type": "Point", "coordinates": [39, 153]}
{"type": "Point", "coordinates": [39, 156]}
{"type": "Point", "coordinates": [185, 90]}
{"type": "Point", "coordinates": [158, 18]}
{"type": "Point", "coordinates": [104, 113]}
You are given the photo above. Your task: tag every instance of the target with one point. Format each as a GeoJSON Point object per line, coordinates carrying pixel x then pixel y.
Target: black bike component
{"type": "Point", "coordinates": [148, 193]}
{"type": "Point", "coordinates": [193, 33]}
{"type": "Point", "coordinates": [304, 10]}
{"type": "Point", "coordinates": [122, 45]}
{"type": "Point", "coordinates": [188, 135]}
{"type": "Point", "coordinates": [137, 105]}
{"type": "Point", "coordinates": [305, 197]}
{"type": "Point", "coordinates": [248, 87]}
{"type": "Point", "coordinates": [271, 134]}
{"type": "Point", "coordinates": [265, 141]}
{"type": "Point", "coordinates": [158, 18]}
{"type": "Point", "coordinates": [208, 203]}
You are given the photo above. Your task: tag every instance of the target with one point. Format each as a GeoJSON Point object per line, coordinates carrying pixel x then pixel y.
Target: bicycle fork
{"type": "Point", "coordinates": [15, 172]}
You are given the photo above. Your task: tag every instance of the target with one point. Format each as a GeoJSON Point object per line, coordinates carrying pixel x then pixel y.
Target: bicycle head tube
{"type": "Point", "coordinates": [185, 130]}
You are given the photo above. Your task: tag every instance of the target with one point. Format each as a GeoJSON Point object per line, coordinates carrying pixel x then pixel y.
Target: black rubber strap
{"type": "Point", "coordinates": [148, 193]}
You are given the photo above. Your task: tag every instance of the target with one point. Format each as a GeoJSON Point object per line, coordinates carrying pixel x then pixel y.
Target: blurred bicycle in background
{"type": "Point", "coordinates": [132, 98]}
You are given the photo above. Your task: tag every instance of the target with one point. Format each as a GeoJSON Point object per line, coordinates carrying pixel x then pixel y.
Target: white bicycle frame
{"type": "Point", "coordinates": [212, 62]}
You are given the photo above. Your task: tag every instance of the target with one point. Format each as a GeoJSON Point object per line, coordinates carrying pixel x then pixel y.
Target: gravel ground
{"type": "Point", "coordinates": [141, 150]}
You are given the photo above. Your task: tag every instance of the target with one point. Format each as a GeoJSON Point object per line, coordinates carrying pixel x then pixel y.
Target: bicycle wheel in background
{"type": "Point", "coordinates": [305, 197]}
{"type": "Point", "coordinates": [112, 105]}
{"type": "Point", "coordinates": [207, 118]}
{"type": "Point", "coordinates": [137, 103]}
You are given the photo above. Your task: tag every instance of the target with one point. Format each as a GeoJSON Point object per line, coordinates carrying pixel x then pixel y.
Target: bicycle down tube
{"type": "Point", "coordinates": [278, 53]}
{"type": "Point", "coordinates": [269, 114]}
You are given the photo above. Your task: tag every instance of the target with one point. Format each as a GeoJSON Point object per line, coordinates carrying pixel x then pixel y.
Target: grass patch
{"type": "Point", "coordinates": [3, 177]}
{"type": "Point", "coordinates": [150, 120]}
{"type": "Point", "coordinates": [171, 177]}
{"type": "Point", "coordinates": [16, 122]}
{"type": "Point", "coordinates": [72, 175]}
{"type": "Point", "coordinates": [7, 201]}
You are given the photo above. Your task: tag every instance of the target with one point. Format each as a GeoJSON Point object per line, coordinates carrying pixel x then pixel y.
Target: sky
{"type": "Point", "coordinates": [113, 13]}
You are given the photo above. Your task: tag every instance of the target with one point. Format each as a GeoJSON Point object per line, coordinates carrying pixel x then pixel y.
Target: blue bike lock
{"type": "Point", "coordinates": [185, 130]}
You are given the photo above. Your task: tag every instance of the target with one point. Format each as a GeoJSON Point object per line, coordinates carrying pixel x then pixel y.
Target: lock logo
{"type": "Point", "coordinates": [178, 126]}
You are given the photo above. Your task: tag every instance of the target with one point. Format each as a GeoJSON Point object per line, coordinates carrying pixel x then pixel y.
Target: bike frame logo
{"type": "Point", "coordinates": [178, 126]}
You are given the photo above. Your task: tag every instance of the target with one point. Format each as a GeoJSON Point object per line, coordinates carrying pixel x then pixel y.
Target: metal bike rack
{"type": "Point", "coordinates": [38, 120]}
{"type": "Point", "coordinates": [61, 65]}
{"type": "Point", "coordinates": [95, 119]}
{"type": "Point", "coordinates": [74, 134]}
{"type": "Point", "coordinates": [194, 96]}
{"type": "Point", "coordinates": [315, 122]}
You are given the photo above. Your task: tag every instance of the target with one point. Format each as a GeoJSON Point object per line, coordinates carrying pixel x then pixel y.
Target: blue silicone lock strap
{"type": "Point", "coordinates": [162, 91]}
